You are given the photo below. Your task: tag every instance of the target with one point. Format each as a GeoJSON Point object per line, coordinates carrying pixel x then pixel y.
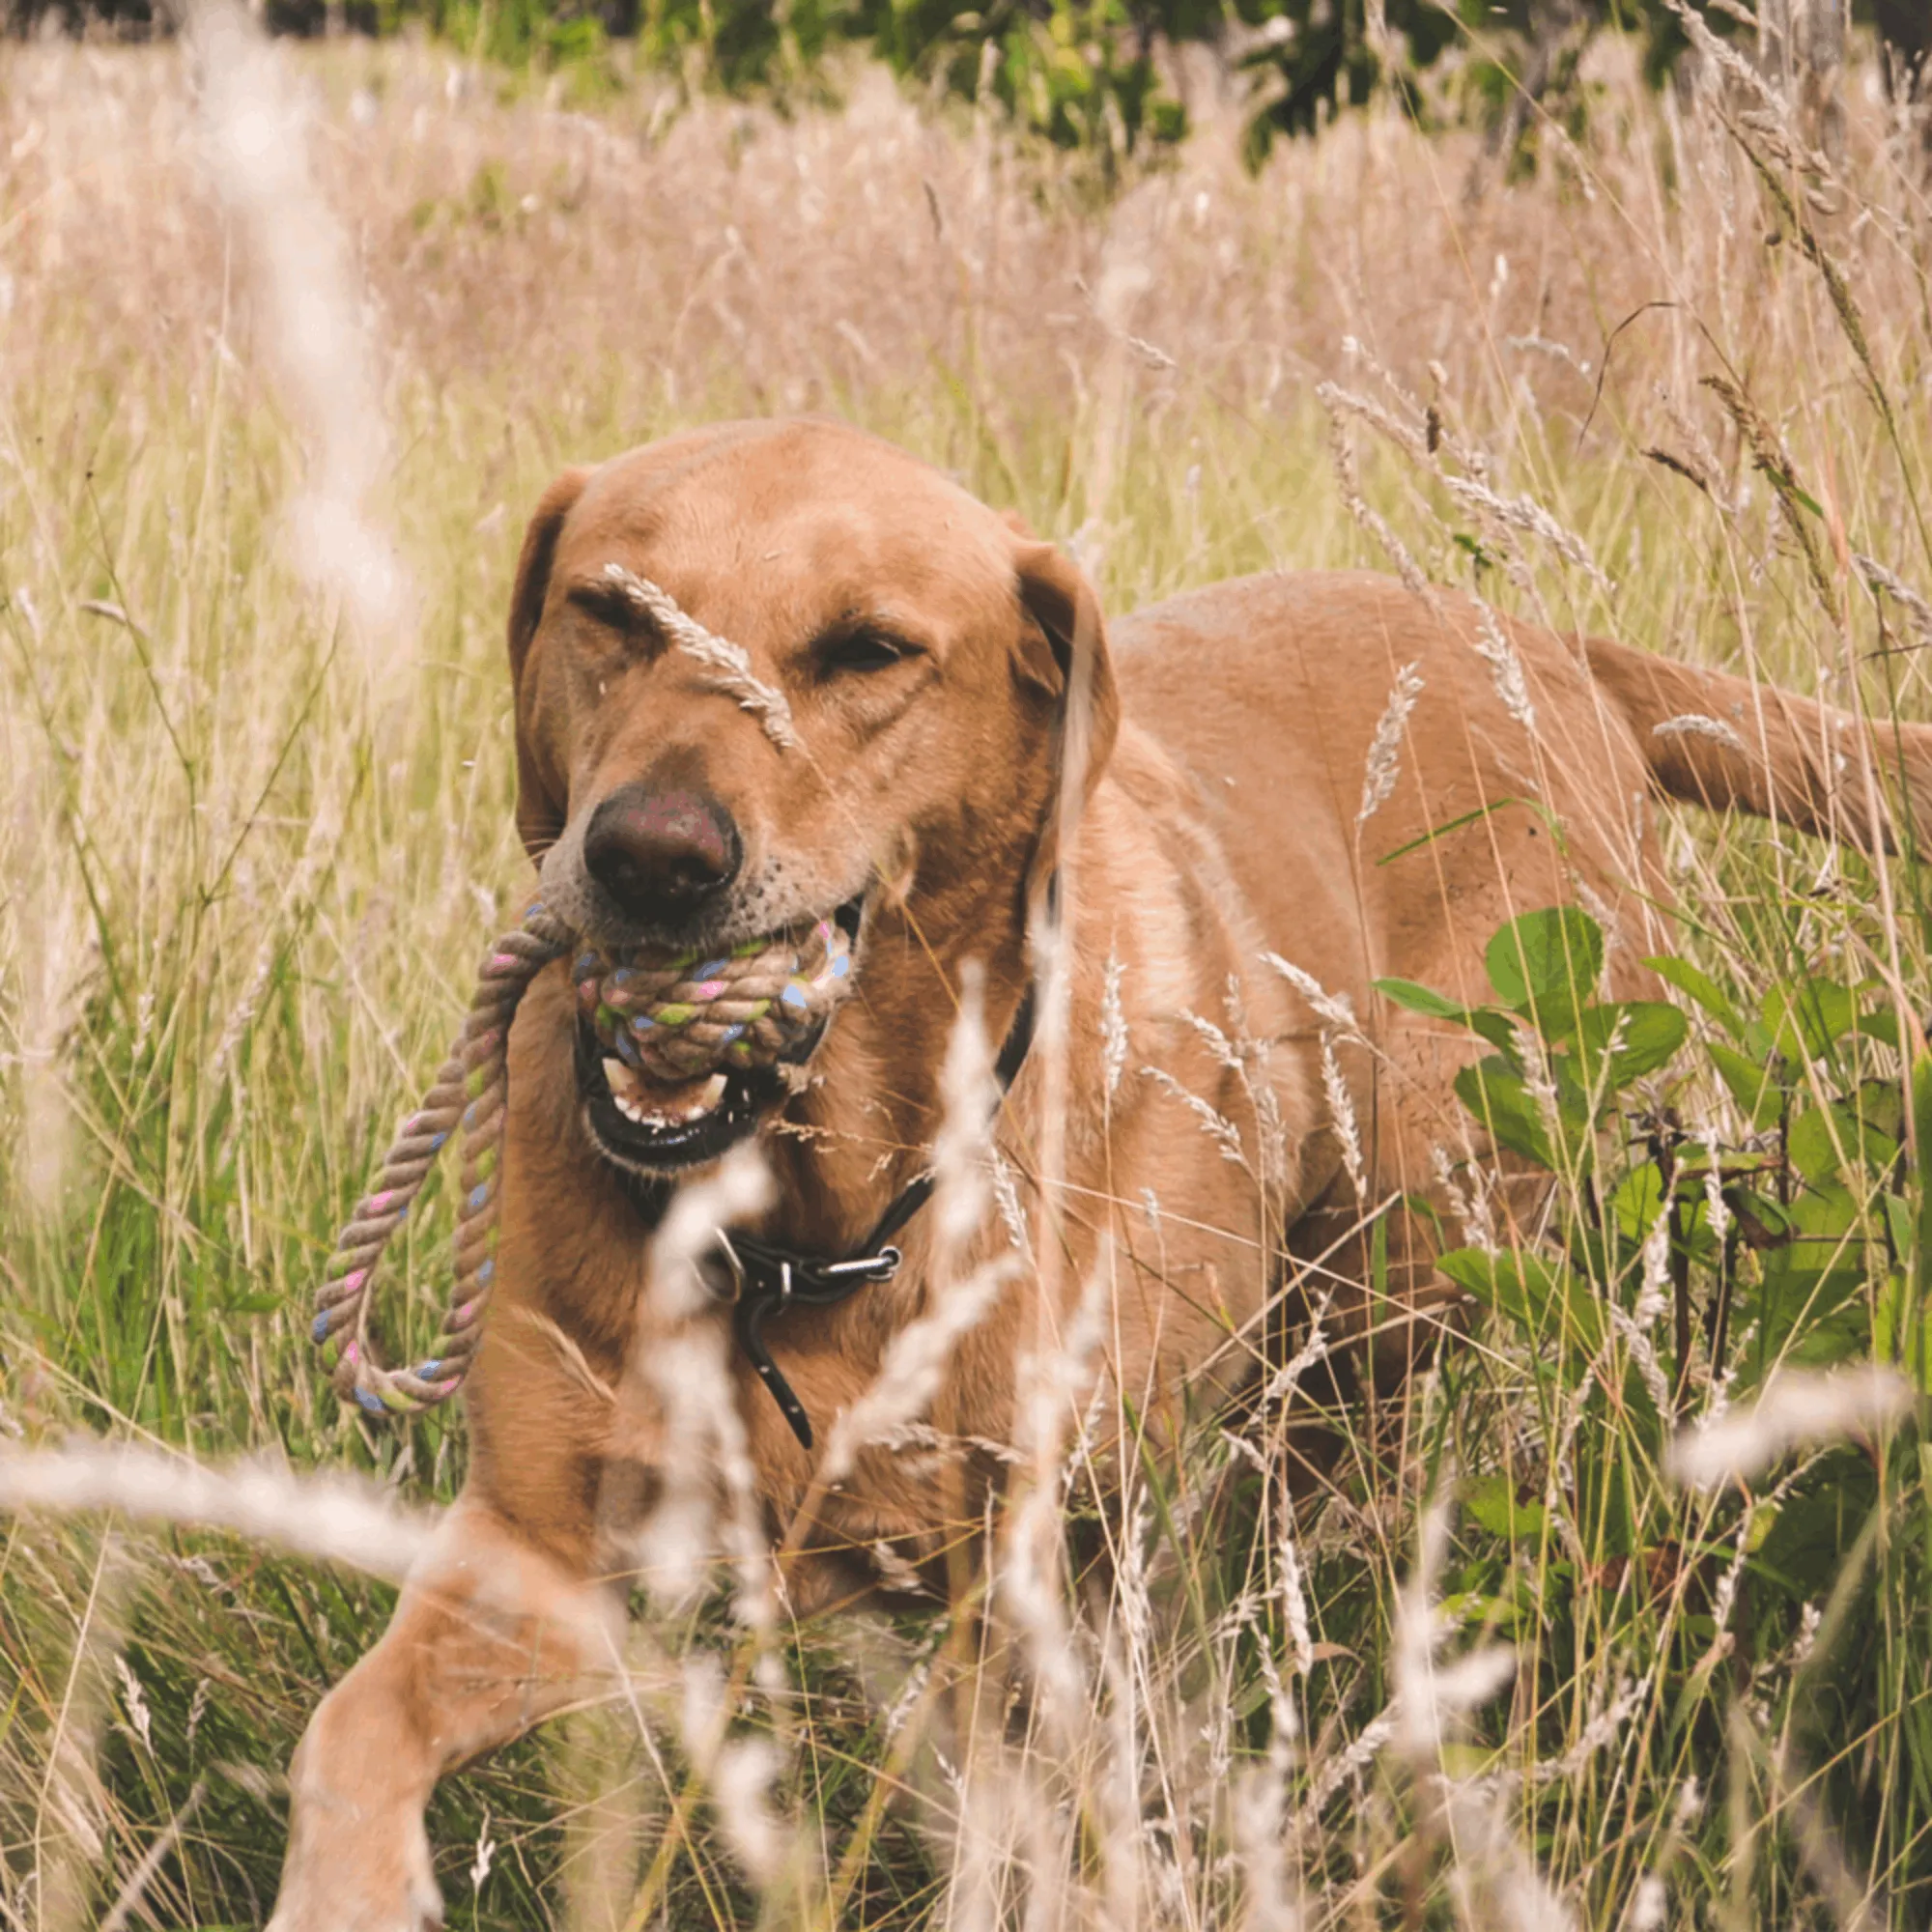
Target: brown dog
{"type": "Point", "coordinates": [1238, 762]}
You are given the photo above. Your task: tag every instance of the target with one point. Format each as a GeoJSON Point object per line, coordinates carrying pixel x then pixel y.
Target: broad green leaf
{"type": "Point", "coordinates": [1902, 1330]}
{"type": "Point", "coordinates": [1546, 963]}
{"type": "Point", "coordinates": [1821, 1220]}
{"type": "Point", "coordinates": [1813, 1143]}
{"type": "Point", "coordinates": [1830, 1326]}
{"type": "Point", "coordinates": [1543, 1298]}
{"type": "Point", "coordinates": [1827, 1140]}
{"type": "Point", "coordinates": [1495, 1026]}
{"type": "Point", "coordinates": [1498, 1028]}
{"type": "Point", "coordinates": [1637, 1202]}
{"type": "Point", "coordinates": [1812, 1306]}
{"type": "Point", "coordinates": [1497, 1097]}
{"type": "Point", "coordinates": [1898, 1212]}
{"type": "Point", "coordinates": [1752, 1086]}
{"type": "Point", "coordinates": [1505, 1614]}
{"type": "Point", "coordinates": [1592, 1252]}
{"type": "Point", "coordinates": [1881, 1026]}
{"type": "Point", "coordinates": [1806, 1540]}
{"type": "Point", "coordinates": [1803, 1020]}
{"type": "Point", "coordinates": [1881, 1104]}
{"type": "Point", "coordinates": [1699, 986]}
{"type": "Point", "coordinates": [1492, 1501]}
{"type": "Point", "coordinates": [1647, 1033]}
{"type": "Point", "coordinates": [1406, 994]}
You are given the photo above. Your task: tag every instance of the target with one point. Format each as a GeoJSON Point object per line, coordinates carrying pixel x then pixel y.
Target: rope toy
{"type": "Point", "coordinates": [673, 1016]}
{"type": "Point", "coordinates": [682, 1017]}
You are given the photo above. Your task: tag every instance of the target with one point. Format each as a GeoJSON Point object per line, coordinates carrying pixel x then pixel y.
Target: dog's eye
{"type": "Point", "coordinates": [607, 605]}
{"type": "Point", "coordinates": [861, 651]}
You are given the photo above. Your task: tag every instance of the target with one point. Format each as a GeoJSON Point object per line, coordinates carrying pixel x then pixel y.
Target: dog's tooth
{"type": "Point", "coordinates": [634, 1100]}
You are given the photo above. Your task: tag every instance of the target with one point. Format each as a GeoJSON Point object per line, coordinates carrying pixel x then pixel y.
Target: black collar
{"type": "Point", "coordinates": [770, 1277]}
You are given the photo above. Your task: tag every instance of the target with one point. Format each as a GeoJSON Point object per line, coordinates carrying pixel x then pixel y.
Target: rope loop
{"type": "Point", "coordinates": [468, 1094]}
{"type": "Point", "coordinates": [672, 1017]}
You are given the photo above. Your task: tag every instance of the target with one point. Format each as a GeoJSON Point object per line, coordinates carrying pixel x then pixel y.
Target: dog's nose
{"type": "Point", "coordinates": [660, 854]}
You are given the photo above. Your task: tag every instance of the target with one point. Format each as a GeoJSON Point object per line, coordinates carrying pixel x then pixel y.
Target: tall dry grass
{"type": "Point", "coordinates": [255, 821]}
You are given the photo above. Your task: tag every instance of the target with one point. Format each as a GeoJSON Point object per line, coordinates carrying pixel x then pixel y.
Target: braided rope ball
{"type": "Point", "coordinates": [672, 1016]}
{"type": "Point", "coordinates": [680, 1016]}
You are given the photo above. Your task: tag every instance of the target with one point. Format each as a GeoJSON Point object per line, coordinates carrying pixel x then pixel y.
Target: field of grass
{"type": "Point", "coordinates": [286, 352]}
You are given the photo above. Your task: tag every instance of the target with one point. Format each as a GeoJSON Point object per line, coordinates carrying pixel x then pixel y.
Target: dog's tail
{"type": "Point", "coordinates": [1715, 740]}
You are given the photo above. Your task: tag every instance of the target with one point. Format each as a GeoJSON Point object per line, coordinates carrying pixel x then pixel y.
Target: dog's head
{"type": "Point", "coordinates": [919, 673]}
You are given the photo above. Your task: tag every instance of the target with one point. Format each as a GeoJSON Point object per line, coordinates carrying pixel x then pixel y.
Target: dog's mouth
{"type": "Point", "coordinates": [640, 1118]}
{"type": "Point", "coordinates": [638, 1122]}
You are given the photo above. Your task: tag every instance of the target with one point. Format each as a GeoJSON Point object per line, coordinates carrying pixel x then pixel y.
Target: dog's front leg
{"type": "Point", "coordinates": [491, 1634]}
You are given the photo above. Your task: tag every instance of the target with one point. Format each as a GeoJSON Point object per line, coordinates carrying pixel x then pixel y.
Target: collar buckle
{"type": "Point", "coordinates": [862, 1268]}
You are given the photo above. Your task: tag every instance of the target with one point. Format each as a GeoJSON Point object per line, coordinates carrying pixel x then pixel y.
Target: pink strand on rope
{"type": "Point", "coordinates": [764, 1001]}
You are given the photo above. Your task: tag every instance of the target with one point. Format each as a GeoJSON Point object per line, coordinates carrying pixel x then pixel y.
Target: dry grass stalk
{"type": "Point", "coordinates": [1771, 461]}
{"type": "Point", "coordinates": [1798, 1407]}
{"type": "Point", "coordinates": [257, 129]}
{"type": "Point", "coordinates": [1908, 599]}
{"type": "Point", "coordinates": [1525, 514]}
{"type": "Point", "coordinates": [1696, 725]}
{"type": "Point", "coordinates": [685, 1400]}
{"type": "Point", "coordinates": [1384, 763]}
{"type": "Point", "coordinates": [1115, 1041]}
{"type": "Point", "coordinates": [1506, 671]}
{"type": "Point", "coordinates": [730, 664]}
{"type": "Point", "coordinates": [329, 1517]}
{"type": "Point", "coordinates": [130, 1899]}
{"type": "Point", "coordinates": [915, 1358]}
{"type": "Point", "coordinates": [1216, 1126]}
{"type": "Point", "coordinates": [1372, 520]}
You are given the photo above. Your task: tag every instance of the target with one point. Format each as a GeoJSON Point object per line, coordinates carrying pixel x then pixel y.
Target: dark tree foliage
{"type": "Point", "coordinates": [1082, 74]}
{"type": "Point", "coordinates": [1904, 32]}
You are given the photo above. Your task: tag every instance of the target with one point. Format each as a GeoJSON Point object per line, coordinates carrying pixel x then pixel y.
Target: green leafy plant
{"type": "Point", "coordinates": [1678, 1270]}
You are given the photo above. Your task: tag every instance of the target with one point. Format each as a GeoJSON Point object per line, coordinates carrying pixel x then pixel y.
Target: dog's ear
{"type": "Point", "coordinates": [1062, 653]}
{"type": "Point", "coordinates": [527, 600]}
{"type": "Point", "coordinates": [539, 811]}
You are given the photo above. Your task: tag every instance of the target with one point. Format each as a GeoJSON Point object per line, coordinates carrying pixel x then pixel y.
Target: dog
{"type": "Point", "coordinates": [1236, 810]}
